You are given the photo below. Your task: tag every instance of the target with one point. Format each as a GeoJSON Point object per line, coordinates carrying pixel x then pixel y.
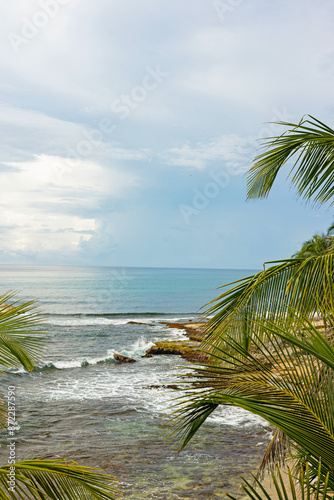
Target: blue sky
{"type": "Point", "coordinates": [127, 128]}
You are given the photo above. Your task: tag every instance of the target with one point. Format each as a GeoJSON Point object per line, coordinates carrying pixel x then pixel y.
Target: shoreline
{"type": "Point", "coordinates": [187, 349]}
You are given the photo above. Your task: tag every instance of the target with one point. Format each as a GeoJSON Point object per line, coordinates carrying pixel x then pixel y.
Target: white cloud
{"type": "Point", "coordinates": [225, 79]}
{"type": "Point", "coordinates": [42, 202]}
{"type": "Point", "coordinates": [30, 132]}
{"type": "Point", "coordinates": [235, 152]}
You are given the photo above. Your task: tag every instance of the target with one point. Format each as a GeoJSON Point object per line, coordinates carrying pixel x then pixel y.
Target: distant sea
{"type": "Point", "coordinates": [80, 404]}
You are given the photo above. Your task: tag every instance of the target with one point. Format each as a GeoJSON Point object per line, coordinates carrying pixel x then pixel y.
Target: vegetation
{"type": "Point", "coordinates": [22, 337]}
{"type": "Point", "coordinates": [319, 244]}
{"type": "Point", "coordinates": [317, 491]}
{"type": "Point", "coordinates": [288, 381]}
{"type": "Point", "coordinates": [310, 143]}
{"type": "Point", "coordinates": [267, 355]}
{"type": "Point", "coordinates": [299, 282]}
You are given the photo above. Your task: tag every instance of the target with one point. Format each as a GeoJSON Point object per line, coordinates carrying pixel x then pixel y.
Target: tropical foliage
{"type": "Point", "coordinates": [317, 245]}
{"type": "Point", "coordinates": [285, 486]}
{"type": "Point", "coordinates": [22, 337]}
{"type": "Point", "coordinates": [267, 353]}
{"type": "Point", "coordinates": [301, 281]}
{"type": "Point", "coordinates": [310, 144]}
{"type": "Point", "coordinates": [288, 380]}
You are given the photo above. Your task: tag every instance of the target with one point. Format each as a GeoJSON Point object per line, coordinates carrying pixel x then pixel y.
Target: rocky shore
{"type": "Point", "coordinates": [188, 349]}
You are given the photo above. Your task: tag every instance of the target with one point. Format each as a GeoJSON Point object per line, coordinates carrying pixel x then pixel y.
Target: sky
{"type": "Point", "coordinates": [128, 128]}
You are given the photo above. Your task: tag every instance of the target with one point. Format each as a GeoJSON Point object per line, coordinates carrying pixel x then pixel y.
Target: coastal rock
{"type": "Point", "coordinates": [168, 386]}
{"type": "Point", "coordinates": [186, 349]}
{"type": "Point", "coordinates": [123, 359]}
{"type": "Point", "coordinates": [195, 331]}
{"type": "Point", "coordinates": [138, 323]}
{"type": "Point", "coordinates": [159, 348]}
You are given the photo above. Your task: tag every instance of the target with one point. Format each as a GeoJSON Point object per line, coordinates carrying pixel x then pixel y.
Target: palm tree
{"type": "Point", "coordinates": [22, 337]}
{"type": "Point", "coordinates": [317, 245]}
{"type": "Point", "coordinates": [313, 169]}
{"type": "Point", "coordinates": [265, 354]}
{"type": "Point", "coordinates": [300, 282]}
{"type": "Point", "coordinates": [289, 381]}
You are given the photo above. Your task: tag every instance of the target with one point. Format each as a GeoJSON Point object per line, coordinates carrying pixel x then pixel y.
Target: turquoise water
{"type": "Point", "coordinates": [116, 290]}
{"type": "Point", "coordinates": [80, 404]}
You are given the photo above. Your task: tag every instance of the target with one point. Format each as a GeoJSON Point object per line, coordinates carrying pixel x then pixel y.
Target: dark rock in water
{"type": "Point", "coordinates": [147, 355]}
{"type": "Point", "coordinates": [138, 323]}
{"type": "Point", "coordinates": [123, 359]}
{"type": "Point", "coordinates": [164, 386]}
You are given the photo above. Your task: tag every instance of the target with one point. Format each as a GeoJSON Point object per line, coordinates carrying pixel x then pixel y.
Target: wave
{"type": "Point", "coordinates": [94, 321]}
{"type": "Point", "coordinates": [112, 319]}
{"type": "Point", "coordinates": [136, 350]}
{"type": "Point", "coordinates": [126, 315]}
{"type": "Point", "coordinates": [75, 363]}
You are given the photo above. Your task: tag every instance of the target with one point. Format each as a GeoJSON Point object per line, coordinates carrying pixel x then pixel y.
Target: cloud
{"type": "Point", "coordinates": [43, 203]}
{"type": "Point", "coordinates": [233, 151]}
{"type": "Point", "coordinates": [29, 132]}
{"type": "Point", "coordinates": [70, 189]}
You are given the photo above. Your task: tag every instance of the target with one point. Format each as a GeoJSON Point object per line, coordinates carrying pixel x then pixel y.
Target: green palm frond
{"type": "Point", "coordinates": [22, 335]}
{"type": "Point", "coordinates": [55, 480]}
{"type": "Point", "coordinates": [289, 381]}
{"type": "Point", "coordinates": [311, 143]}
{"type": "Point", "coordinates": [3, 413]}
{"type": "Point", "coordinates": [289, 487]}
{"type": "Point", "coordinates": [317, 245]}
{"type": "Point", "coordinates": [304, 284]}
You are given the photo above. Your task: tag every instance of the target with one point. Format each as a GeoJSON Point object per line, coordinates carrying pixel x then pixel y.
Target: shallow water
{"type": "Point", "coordinates": [80, 404]}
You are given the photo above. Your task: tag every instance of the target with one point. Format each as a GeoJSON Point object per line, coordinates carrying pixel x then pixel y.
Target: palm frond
{"type": "Point", "coordinates": [278, 381]}
{"type": "Point", "coordinates": [276, 453]}
{"type": "Point", "coordinates": [289, 487]}
{"type": "Point", "coordinates": [22, 334]}
{"type": "Point", "coordinates": [3, 412]}
{"type": "Point", "coordinates": [304, 285]}
{"type": "Point", "coordinates": [312, 144]}
{"type": "Point", "coordinates": [56, 479]}
{"type": "Point", "coordinates": [317, 245]}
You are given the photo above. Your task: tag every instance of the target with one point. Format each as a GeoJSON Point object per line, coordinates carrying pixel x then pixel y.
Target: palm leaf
{"type": "Point", "coordinates": [21, 340]}
{"type": "Point", "coordinates": [304, 285]}
{"type": "Point", "coordinates": [311, 142]}
{"type": "Point", "coordinates": [276, 453]}
{"type": "Point", "coordinates": [56, 479]}
{"type": "Point", "coordinates": [278, 381]}
{"type": "Point", "coordinates": [3, 413]}
{"type": "Point", "coordinates": [289, 487]}
{"type": "Point", "coordinates": [22, 335]}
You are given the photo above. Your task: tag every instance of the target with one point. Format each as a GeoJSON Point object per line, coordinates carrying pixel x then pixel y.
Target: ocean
{"type": "Point", "coordinates": [81, 404]}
